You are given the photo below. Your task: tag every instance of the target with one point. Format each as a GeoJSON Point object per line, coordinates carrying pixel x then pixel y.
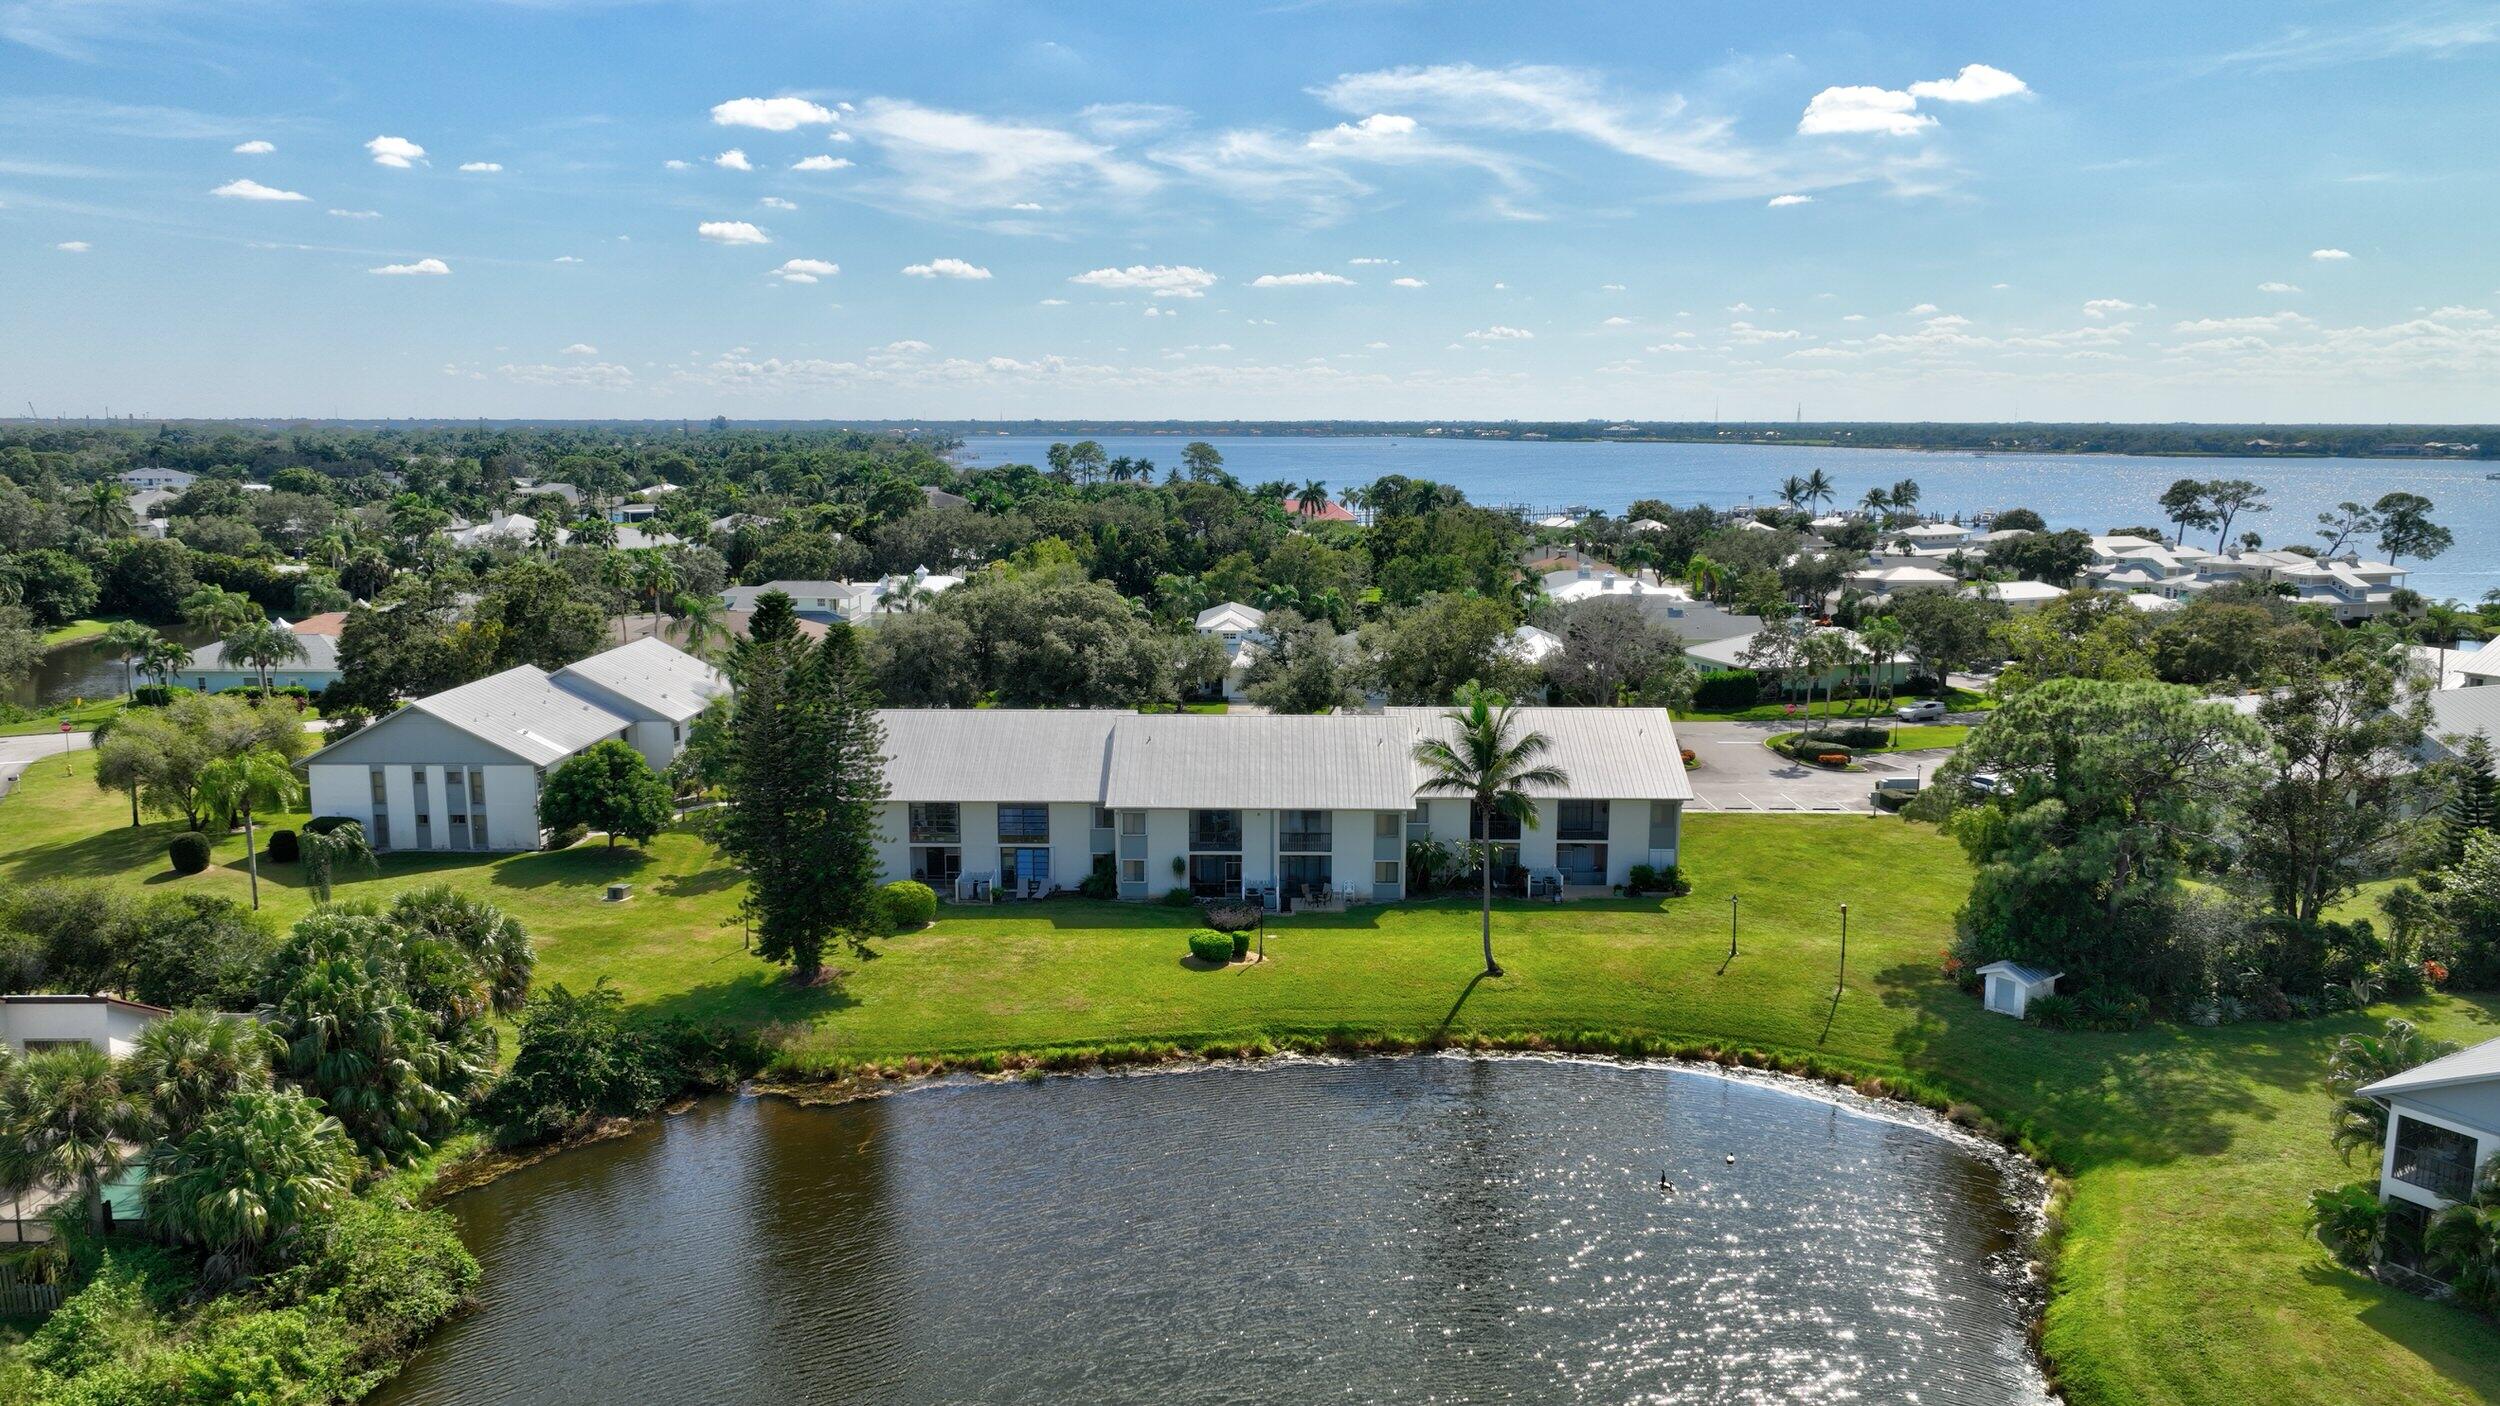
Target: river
{"type": "Point", "coordinates": [2092, 492]}
{"type": "Point", "coordinates": [1420, 1229]}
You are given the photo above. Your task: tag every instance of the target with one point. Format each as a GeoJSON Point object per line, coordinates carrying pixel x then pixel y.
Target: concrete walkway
{"type": "Point", "coordinates": [19, 753]}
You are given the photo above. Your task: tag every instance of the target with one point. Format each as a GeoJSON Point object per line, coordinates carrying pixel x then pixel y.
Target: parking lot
{"type": "Point", "coordinates": [1733, 771]}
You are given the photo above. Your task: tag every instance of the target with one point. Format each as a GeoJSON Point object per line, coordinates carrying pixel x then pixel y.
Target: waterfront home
{"type": "Point", "coordinates": [1280, 809]}
{"type": "Point", "coordinates": [1324, 512]}
{"type": "Point", "coordinates": [1734, 651]}
{"type": "Point", "coordinates": [2015, 595]}
{"type": "Point", "coordinates": [2478, 667]}
{"type": "Point", "coordinates": [209, 671]}
{"type": "Point", "coordinates": [852, 602]}
{"type": "Point", "coordinates": [1596, 581]}
{"type": "Point", "coordinates": [1891, 580]}
{"type": "Point", "coordinates": [2443, 1124]}
{"type": "Point", "coordinates": [461, 769]}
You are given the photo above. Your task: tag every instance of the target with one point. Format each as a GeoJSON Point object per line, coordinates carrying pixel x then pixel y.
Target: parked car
{"type": "Point", "coordinates": [1924, 710]}
{"type": "Point", "coordinates": [1985, 783]}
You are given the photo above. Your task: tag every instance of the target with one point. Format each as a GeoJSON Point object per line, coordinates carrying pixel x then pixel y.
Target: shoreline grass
{"type": "Point", "coordinates": [2185, 1271]}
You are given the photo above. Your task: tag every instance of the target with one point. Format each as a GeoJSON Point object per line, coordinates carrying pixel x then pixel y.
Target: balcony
{"type": "Point", "coordinates": [2433, 1159]}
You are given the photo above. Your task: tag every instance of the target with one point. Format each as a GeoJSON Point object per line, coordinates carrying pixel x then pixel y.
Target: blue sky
{"type": "Point", "coordinates": [2125, 211]}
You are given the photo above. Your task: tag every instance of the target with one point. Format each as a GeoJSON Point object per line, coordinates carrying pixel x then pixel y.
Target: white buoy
{"type": "Point", "coordinates": [1731, 1159]}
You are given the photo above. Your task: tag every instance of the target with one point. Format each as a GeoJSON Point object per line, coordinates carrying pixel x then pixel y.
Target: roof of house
{"type": "Point", "coordinates": [1325, 512]}
{"type": "Point", "coordinates": [669, 682]}
{"type": "Point", "coordinates": [1230, 615]}
{"type": "Point", "coordinates": [2458, 711]}
{"type": "Point", "coordinates": [1935, 531]}
{"type": "Point", "coordinates": [2029, 976]}
{"type": "Point", "coordinates": [940, 498]}
{"type": "Point", "coordinates": [2019, 590]}
{"type": "Point", "coordinates": [73, 999]}
{"type": "Point", "coordinates": [996, 754]}
{"type": "Point", "coordinates": [2482, 663]}
{"type": "Point", "coordinates": [522, 711]}
{"type": "Point", "coordinates": [1530, 645]}
{"type": "Point", "coordinates": [1349, 761]}
{"type": "Point", "coordinates": [328, 622]}
{"type": "Point", "coordinates": [2473, 1065]}
{"type": "Point", "coordinates": [321, 656]}
{"type": "Point", "coordinates": [634, 538]}
{"type": "Point", "coordinates": [1902, 576]}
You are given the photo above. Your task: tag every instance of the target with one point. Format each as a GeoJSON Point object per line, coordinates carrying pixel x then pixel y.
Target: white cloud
{"type": "Point", "coordinates": [1667, 347]}
{"type": "Point", "coordinates": [2271, 322]}
{"type": "Point", "coordinates": [806, 270]}
{"type": "Point", "coordinates": [2278, 287]}
{"type": "Point", "coordinates": [1780, 202]}
{"type": "Point", "coordinates": [731, 232]}
{"type": "Point", "coordinates": [73, 246]}
{"type": "Point", "coordinates": [1922, 309]}
{"type": "Point", "coordinates": [733, 160]}
{"type": "Point", "coordinates": [581, 349]}
{"type": "Point", "coordinates": [1616, 322]}
{"type": "Point", "coordinates": [775, 202]}
{"type": "Point", "coordinates": [820, 163]}
{"type": "Point", "coordinates": [254, 190]}
{"type": "Point", "coordinates": [1609, 287]}
{"type": "Point", "coordinates": [1300, 280]}
{"type": "Point", "coordinates": [771, 114]}
{"type": "Point", "coordinates": [1361, 262]}
{"type": "Point", "coordinates": [1549, 99]}
{"type": "Point", "coordinates": [954, 160]}
{"type": "Point", "coordinates": [2103, 307]}
{"type": "Point", "coordinates": [1499, 333]}
{"type": "Point", "coordinates": [397, 152]}
{"type": "Point", "coordinates": [1367, 346]}
{"type": "Point", "coordinates": [567, 259]}
{"type": "Point", "coordinates": [1161, 280]}
{"type": "Point", "coordinates": [1406, 283]}
{"type": "Point", "coordinates": [1976, 83]}
{"type": "Point", "coordinates": [357, 214]}
{"type": "Point", "coordinates": [482, 167]}
{"type": "Point", "coordinates": [254, 148]}
{"type": "Point", "coordinates": [676, 165]}
{"type": "Point", "coordinates": [1844, 111]}
{"type": "Point", "coordinates": [421, 268]}
{"type": "Point", "coordinates": [1027, 205]}
{"type": "Point", "coordinates": [2328, 255]}
{"type": "Point", "coordinates": [1748, 307]}
{"type": "Point", "coordinates": [946, 268]}
{"type": "Point", "coordinates": [1052, 303]}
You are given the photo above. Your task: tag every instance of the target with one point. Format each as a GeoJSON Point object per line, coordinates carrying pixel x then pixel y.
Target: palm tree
{"type": "Point", "coordinates": [325, 852]}
{"type": "Point", "coordinates": [2357, 1060]}
{"type": "Point", "coordinates": [217, 611]}
{"type": "Point", "coordinates": [130, 640]}
{"type": "Point", "coordinates": [701, 623]}
{"type": "Point", "coordinates": [1707, 578]}
{"type": "Point", "coordinates": [653, 576]}
{"type": "Point", "coordinates": [1313, 498]}
{"type": "Point", "coordinates": [1819, 487]}
{"type": "Point", "coordinates": [65, 1119]}
{"type": "Point", "coordinates": [1883, 639]}
{"type": "Point", "coordinates": [262, 645]}
{"type": "Point", "coordinates": [1876, 502]}
{"type": "Point", "coordinates": [188, 1064]}
{"type": "Point", "coordinates": [1488, 761]}
{"type": "Point", "coordinates": [258, 778]}
{"type": "Point", "coordinates": [105, 510]}
{"type": "Point", "coordinates": [1905, 495]}
{"type": "Point", "coordinates": [1793, 491]}
{"type": "Point", "coordinates": [2463, 1242]}
{"type": "Point", "coordinates": [260, 1170]}
{"type": "Point", "coordinates": [163, 658]}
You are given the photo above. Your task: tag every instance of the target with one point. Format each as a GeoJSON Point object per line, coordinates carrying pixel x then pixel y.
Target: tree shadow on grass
{"type": "Point", "coordinates": [106, 854]}
{"type": "Point", "coordinates": [715, 879]}
{"type": "Point", "coordinates": [1455, 1006]}
{"type": "Point", "coordinates": [583, 866]}
{"type": "Point", "coordinates": [756, 998]}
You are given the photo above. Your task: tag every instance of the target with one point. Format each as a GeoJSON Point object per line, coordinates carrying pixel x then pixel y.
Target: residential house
{"type": "Point", "coordinates": [502, 530]}
{"type": "Point", "coordinates": [2478, 669]}
{"type": "Point", "coordinates": [33, 1023]}
{"type": "Point", "coordinates": [461, 769]}
{"type": "Point", "coordinates": [1278, 809]}
{"type": "Point", "coordinates": [2015, 595]}
{"type": "Point", "coordinates": [1890, 580]}
{"type": "Point", "coordinates": [852, 602]}
{"type": "Point", "coordinates": [144, 503]}
{"type": "Point", "coordinates": [158, 479]}
{"type": "Point", "coordinates": [1733, 651]}
{"type": "Point", "coordinates": [1237, 628]}
{"type": "Point", "coordinates": [1594, 581]}
{"type": "Point", "coordinates": [1532, 646]}
{"type": "Point", "coordinates": [209, 671]}
{"type": "Point", "coordinates": [2457, 713]}
{"type": "Point", "coordinates": [1325, 512]}
{"type": "Point", "coordinates": [2443, 1124]}
{"type": "Point", "coordinates": [939, 498]}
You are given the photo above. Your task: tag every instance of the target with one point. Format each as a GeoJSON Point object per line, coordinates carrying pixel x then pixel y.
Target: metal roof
{"type": "Point", "coordinates": [669, 682]}
{"type": "Point", "coordinates": [523, 712]}
{"type": "Point", "coordinates": [2457, 711]}
{"type": "Point", "coordinates": [1338, 761]}
{"type": "Point", "coordinates": [2467, 1066]}
{"type": "Point", "coordinates": [1608, 753]}
{"type": "Point", "coordinates": [321, 656]}
{"type": "Point", "coordinates": [2028, 976]}
{"type": "Point", "coordinates": [996, 754]}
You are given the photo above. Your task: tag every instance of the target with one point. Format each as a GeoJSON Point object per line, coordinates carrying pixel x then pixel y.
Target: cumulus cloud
{"type": "Point", "coordinates": [806, 270]}
{"type": "Point", "coordinates": [775, 202]}
{"type": "Point", "coordinates": [676, 165]}
{"type": "Point", "coordinates": [482, 167]}
{"type": "Point", "coordinates": [254, 148]}
{"type": "Point", "coordinates": [581, 349]}
{"type": "Point", "coordinates": [771, 114]}
{"type": "Point", "coordinates": [731, 232]}
{"type": "Point", "coordinates": [396, 152]}
{"type": "Point", "coordinates": [357, 214]}
{"type": "Point", "coordinates": [73, 246]}
{"type": "Point", "coordinates": [2103, 307]}
{"type": "Point", "coordinates": [1406, 283]}
{"type": "Point", "coordinates": [254, 190]}
{"type": "Point", "coordinates": [946, 268]}
{"type": "Point", "coordinates": [1160, 280]}
{"type": "Point", "coordinates": [2278, 287]}
{"type": "Point", "coordinates": [2328, 255]}
{"type": "Point", "coordinates": [422, 268]}
{"type": "Point", "coordinates": [820, 163]}
{"type": "Point", "coordinates": [1922, 309]}
{"type": "Point", "coordinates": [1976, 83]}
{"type": "Point", "coordinates": [1617, 321]}
{"type": "Point", "coordinates": [1779, 202]}
{"type": "Point", "coordinates": [733, 160]}
{"type": "Point", "coordinates": [1499, 333]}
{"type": "Point", "coordinates": [1843, 111]}
{"type": "Point", "coordinates": [1299, 280]}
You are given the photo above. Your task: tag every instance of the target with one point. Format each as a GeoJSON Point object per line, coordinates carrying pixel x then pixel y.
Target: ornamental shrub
{"type": "Point", "coordinates": [1241, 944]}
{"type": "Point", "coordinates": [188, 851]}
{"type": "Point", "coordinates": [907, 904]}
{"type": "Point", "coordinates": [284, 848]}
{"type": "Point", "coordinates": [1208, 945]}
{"type": "Point", "coordinates": [1722, 689]}
{"type": "Point", "coordinates": [1178, 898]}
{"type": "Point", "coordinates": [2052, 1010]}
{"type": "Point", "coordinates": [324, 824]}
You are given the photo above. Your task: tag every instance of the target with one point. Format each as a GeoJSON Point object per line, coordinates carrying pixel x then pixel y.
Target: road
{"type": "Point", "coordinates": [1734, 771]}
{"type": "Point", "coordinates": [18, 753]}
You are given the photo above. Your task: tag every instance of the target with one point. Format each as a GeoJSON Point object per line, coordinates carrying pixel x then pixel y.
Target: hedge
{"type": "Point", "coordinates": [1727, 688]}
{"type": "Point", "coordinates": [188, 851]}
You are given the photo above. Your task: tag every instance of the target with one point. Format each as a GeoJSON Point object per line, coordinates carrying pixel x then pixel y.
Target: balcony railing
{"type": "Point", "coordinates": [1305, 841]}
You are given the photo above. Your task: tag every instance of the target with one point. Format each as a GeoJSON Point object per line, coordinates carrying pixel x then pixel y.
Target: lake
{"type": "Point", "coordinates": [87, 669]}
{"type": "Point", "coordinates": [2092, 492]}
{"type": "Point", "coordinates": [1432, 1228]}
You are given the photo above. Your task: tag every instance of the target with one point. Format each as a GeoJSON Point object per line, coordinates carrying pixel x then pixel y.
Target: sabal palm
{"type": "Point", "coordinates": [258, 1172]}
{"type": "Point", "coordinates": [1883, 639]}
{"type": "Point", "coordinates": [260, 780]}
{"type": "Point", "coordinates": [66, 1120]}
{"type": "Point", "coordinates": [1487, 759]}
{"type": "Point", "coordinates": [131, 640]}
{"type": "Point", "coordinates": [653, 575]}
{"type": "Point", "coordinates": [189, 1064]}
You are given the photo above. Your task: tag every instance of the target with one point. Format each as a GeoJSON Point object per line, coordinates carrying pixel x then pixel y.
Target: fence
{"type": "Point", "coordinates": [20, 1299]}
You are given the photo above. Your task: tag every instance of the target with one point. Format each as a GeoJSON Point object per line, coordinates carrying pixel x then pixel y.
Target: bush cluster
{"type": "Point", "coordinates": [1727, 689]}
{"type": "Point", "coordinates": [582, 1060]}
{"type": "Point", "coordinates": [907, 905]}
{"type": "Point", "coordinates": [284, 847]}
{"type": "Point", "coordinates": [1208, 945]}
{"type": "Point", "coordinates": [188, 851]}
{"type": "Point", "coordinates": [1669, 880]}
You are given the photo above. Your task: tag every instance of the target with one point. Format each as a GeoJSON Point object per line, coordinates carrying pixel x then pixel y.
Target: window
{"type": "Point", "coordinates": [1215, 830]}
{"type": "Point", "coordinates": [936, 823]}
{"type": "Point", "coordinates": [1102, 818]}
{"type": "Point", "coordinates": [1582, 820]}
{"type": "Point", "coordinates": [1308, 872]}
{"type": "Point", "coordinates": [1024, 824]}
{"type": "Point", "coordinates": [1387, 824]}
{"type": "Point", "coordinates": [1132, 871]}
{"type": "Point", "coordinates": [1305, 831]}
{"type": "Point", "coordinates": [1505, 827]}
{"type": "Point", "coordinates": [1132, 822]}
{"type": "Point", "coordinates": [381, 789]}
{"type": "Point", "coordinates": [1385, 874]}
{"type": "Point", "coordinates": [2434, 1158]}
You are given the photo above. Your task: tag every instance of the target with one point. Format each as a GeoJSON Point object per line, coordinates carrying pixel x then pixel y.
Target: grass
{"type": "Point", "coordinates": [1960, 700]}
{"type": "Point", "coordinates": [2186, 1273]}
{"type": "Point", "coordinates": [83, 628]}
{"type": "Point", "coordinates": [85, 716]}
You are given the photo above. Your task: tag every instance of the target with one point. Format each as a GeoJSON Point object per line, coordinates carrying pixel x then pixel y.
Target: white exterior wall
{"type": "Point", "coordinates": [2486, 1146]}
{"type": "Point", "coordinates": [1448, 819]}
{"type": "Point", "coordinates": [399, 789]}
{"type": "Point", "coordinates": [342, 790]}
{"type": "Point", "coordinates": [1627, 838]}
{"type": "Point", "coordinates": [1167, 835]}
{"type": "Point", "coordinates": [438, 806]}
{"type": "Point", "coordinates": [979, 821]}
{"type": "Point", "coordinates": [1672, 853]}
{"type": "Point", "coordinates": [1536, 845]}
{"type": "Point", "coordinates": [893, 843]}
{"type": "Point", "coordinates": [1350, 837]}
{"type": "Point", "coordinates": [512, 807]}
{"type": "Point", "coordinates": [1258, 847]}
{"type": "Point", "coordinates": [1071, 843]}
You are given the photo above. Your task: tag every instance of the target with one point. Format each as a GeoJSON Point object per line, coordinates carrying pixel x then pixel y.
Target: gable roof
{"type": "Point", "coordinates": [1264, 762]}
{"type": "Point", "coordinates": [653, 675]}
{"type": "Point", "coordinates": [321, 656]}
{"type": "Point", "coordinates": [521, 711]}
{"type": "Point", "coordinates": [996, 754]}
{"type": "Point", "coordinates": [2474, 1065]}
{"type": "Point", "coordinates": [1231, 615]}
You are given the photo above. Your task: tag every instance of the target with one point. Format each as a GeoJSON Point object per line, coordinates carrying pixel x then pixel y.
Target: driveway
{"type": "Point", "coordinates": [18, 753]}
{"type": "Point", "coordinates": [1734, 771]}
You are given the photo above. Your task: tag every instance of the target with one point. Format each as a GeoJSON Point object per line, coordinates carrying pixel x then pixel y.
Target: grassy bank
{"type": "Point", "coordinates": [84, 628]}
{"type": "Point", "coordinates": [2186, 1275]}
{"type": "Point", "coordinates": [82, 717]}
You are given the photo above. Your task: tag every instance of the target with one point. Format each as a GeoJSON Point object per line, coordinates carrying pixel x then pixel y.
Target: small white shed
{"type": "Point", "coordinates": [2007, 987]}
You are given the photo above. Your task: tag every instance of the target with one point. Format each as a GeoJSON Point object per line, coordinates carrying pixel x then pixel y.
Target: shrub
{"type": "Point", "coordinates": [907, 904]}
{"type": "Point", "coordinates": [1241, 944]}
{"type": "Point", "coordinates": [1671, 882]}
{"type": "Point", "coordinates": [324, 824]}
{"type": "Point", "coordinates": [2099, 1010]}
{"type": "Point", "coordinates": [156, 695]}
{"type": "Point", "coordinates": [1099, 884]}
{"type": "Point", "coordinates": [2052, 1010]}
{"type": "Point", "coordinates": [1232, 917]}
{"type": "Point", "coordinates": [188, 851]}
{"type": "Point", "coordinates": [1208, 945]}
{"type": "Point", "coordinates": [2349, 1220]}
{"type": "Point", "coordinates": [1178, 898]}
{"type": "Point", "coordinates": [1722, 689]}
{"type": "Point", "coordinates": [283, 848]}
{"type": "Point", "coordinates": [1641, 879]}
{"type": "Point", "coordinates": [567, 837]}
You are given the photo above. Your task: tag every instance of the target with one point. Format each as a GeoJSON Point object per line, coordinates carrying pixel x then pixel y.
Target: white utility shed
{"type": "Point", "coordinates": [2008, 987]}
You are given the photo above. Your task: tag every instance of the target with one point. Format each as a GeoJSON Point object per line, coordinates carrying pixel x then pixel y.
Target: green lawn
{"type": "Point", "coordinates": [2186, 1276]}
{"type": "Point", "coordinates": [1960, 700]}
{"type": "Point", "coordinates": [82, 718]}
{"type": "Point", "coordinates": [83, 628]}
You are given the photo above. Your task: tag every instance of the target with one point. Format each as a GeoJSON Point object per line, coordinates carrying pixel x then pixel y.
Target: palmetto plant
{"type": "Point", "coordinates": [257, 1174]}
{"type": "Point", "coordinates": [190, 1063]}
{"type": "Point", "coordinates": [259, 779]}
{"type": "Point", "coordinates": [1876, 502]}
{"type": "Point", "coordinates": [66, 1119]}
{"type": "Point", "coordinates": [2358, 1060]}
{"type": "Point", "coordinates": [2463, 1246]}
{"type": "Point", "coordinates": [1489, 761]}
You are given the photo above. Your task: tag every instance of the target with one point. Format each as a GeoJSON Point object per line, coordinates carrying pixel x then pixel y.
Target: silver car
{"type": "Point", "coordinates": [1925, 710]}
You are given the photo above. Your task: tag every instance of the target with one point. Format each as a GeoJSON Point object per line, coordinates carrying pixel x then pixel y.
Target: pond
{"type": "Point", "coordinates": [88, 669]}
{"type": "Point", "coordinates": [1418, 1229]}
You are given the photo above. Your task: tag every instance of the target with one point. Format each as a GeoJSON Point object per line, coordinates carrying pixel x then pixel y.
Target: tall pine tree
{"type": "Point", "coordinates": [2474, 806]}
{"type": "Point", "coordinates": [806, 784]}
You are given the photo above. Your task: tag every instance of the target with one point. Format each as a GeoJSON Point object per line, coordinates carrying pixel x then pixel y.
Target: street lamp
{"type": "Point", "coordinates": [1731, 927]}
{"type": "Point", "coordinates": [1844, 952]}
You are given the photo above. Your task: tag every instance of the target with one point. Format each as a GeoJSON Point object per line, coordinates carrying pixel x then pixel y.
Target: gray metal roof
{"type": "Point", "coordinates": [321, 656]}
{"type": "Point", "coordinates": [2029, 976]}
{"type": "Point", "coordinates": [669, 682]}
{"type": "Point", "coordinates": [1340, 761]}
{"type": "Point", "coordinates": [2473, 1065]}
{"type": "Point", "coordinates": [2457, 711]}
{"type": "Point", "coordinates": [523, 712]}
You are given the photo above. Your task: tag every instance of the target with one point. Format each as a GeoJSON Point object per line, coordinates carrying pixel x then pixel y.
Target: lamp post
{"type": "Point", "coordinates": [1844, 952]}
{"type": "Point", "coordinates": [1731, 927]}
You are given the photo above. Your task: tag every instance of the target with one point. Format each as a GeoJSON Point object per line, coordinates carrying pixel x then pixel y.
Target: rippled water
{"type": "Point", "coordinates": [1427, 1229]}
